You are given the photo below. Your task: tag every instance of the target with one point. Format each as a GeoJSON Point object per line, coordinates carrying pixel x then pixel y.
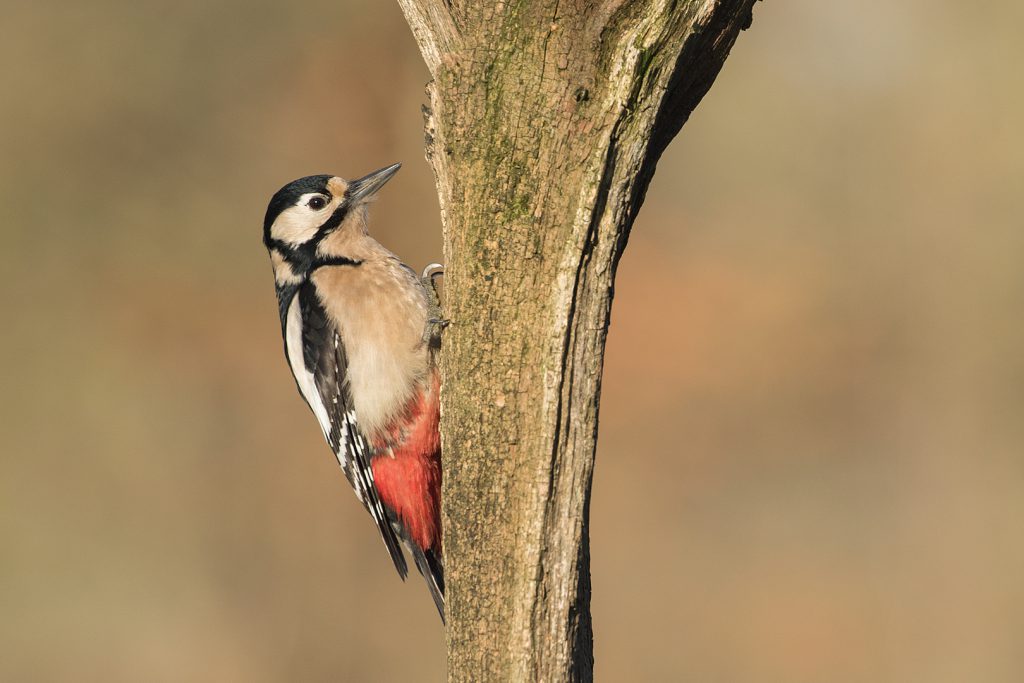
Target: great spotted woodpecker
{"type": "Point", "coordinates": [361, 331]}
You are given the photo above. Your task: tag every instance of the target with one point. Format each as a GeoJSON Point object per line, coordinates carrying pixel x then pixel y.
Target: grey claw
{"type": "Point", "coordinates": [431, 271]}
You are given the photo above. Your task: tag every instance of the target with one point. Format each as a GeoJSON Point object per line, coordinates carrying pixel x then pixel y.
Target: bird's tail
{"type": "Point", "coordinates": [431, 566]}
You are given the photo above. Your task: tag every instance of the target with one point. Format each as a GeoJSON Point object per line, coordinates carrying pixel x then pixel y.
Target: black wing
{"type": "Point", "coordinates": [324, 356]}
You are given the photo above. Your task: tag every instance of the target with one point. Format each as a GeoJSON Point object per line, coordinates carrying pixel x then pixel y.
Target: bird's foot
{"type": "Point", "coordinates": [429, 280]}
{"type": "Point", "coordinates": [436, 322]}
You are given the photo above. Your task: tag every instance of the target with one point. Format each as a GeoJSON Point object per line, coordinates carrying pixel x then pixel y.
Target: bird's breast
{"type": "Point", "coordinates": [381, 314]}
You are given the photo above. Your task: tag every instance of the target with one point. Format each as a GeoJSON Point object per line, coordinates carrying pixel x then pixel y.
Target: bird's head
{"type": "Point", "coordinates": [306, 211]}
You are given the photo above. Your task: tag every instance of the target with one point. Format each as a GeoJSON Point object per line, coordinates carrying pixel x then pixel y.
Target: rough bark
{"type": "Point", "coordinates": [544, 124]}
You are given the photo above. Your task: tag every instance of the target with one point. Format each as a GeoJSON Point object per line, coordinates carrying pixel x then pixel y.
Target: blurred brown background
{"type": "Point", "coordinates": [811, 460]}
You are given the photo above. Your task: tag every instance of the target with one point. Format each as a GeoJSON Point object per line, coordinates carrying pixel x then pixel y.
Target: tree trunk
{"type": "Point", "coordinates": [545, 122]}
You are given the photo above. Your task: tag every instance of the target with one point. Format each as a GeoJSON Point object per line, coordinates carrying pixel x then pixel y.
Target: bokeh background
{"type": "Point", "coordinates": [811, 444]}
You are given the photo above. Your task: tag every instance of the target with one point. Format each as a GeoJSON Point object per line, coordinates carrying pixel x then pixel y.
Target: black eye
{"type": "Point", "coordinates": [317, 203]}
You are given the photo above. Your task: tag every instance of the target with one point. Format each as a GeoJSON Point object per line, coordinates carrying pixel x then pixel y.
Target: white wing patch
{"type": "Point", "coordinates": [303, 377]}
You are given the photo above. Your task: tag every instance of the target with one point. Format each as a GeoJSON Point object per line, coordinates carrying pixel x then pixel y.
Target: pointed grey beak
{"type": "Point", "coordinates": [367, 186]}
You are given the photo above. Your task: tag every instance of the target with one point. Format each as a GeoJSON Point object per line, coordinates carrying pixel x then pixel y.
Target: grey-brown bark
{"type": "Point", "coordinates": [545, 121]}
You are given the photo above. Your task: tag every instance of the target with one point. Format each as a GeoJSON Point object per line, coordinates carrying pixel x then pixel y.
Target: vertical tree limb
{"type": "Point", "coordinates": [545, 121]}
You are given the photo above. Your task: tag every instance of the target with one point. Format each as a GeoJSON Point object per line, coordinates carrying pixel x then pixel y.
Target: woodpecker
{"type": "Point", "coordinates": [361, 331]}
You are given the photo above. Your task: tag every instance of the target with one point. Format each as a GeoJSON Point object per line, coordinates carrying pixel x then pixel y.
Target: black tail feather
{"type": "Point", "coordinates": [432, 568]}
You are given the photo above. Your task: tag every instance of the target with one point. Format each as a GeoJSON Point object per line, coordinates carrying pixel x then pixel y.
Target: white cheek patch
{"type": "Point", "coordinates": [298, 224]}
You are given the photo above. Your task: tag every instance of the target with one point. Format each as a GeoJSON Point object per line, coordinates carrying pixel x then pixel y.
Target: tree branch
{"type": "Point", "coordinates": [545, 123]}
{"type": "Point", "coordinates": [432, 26]}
